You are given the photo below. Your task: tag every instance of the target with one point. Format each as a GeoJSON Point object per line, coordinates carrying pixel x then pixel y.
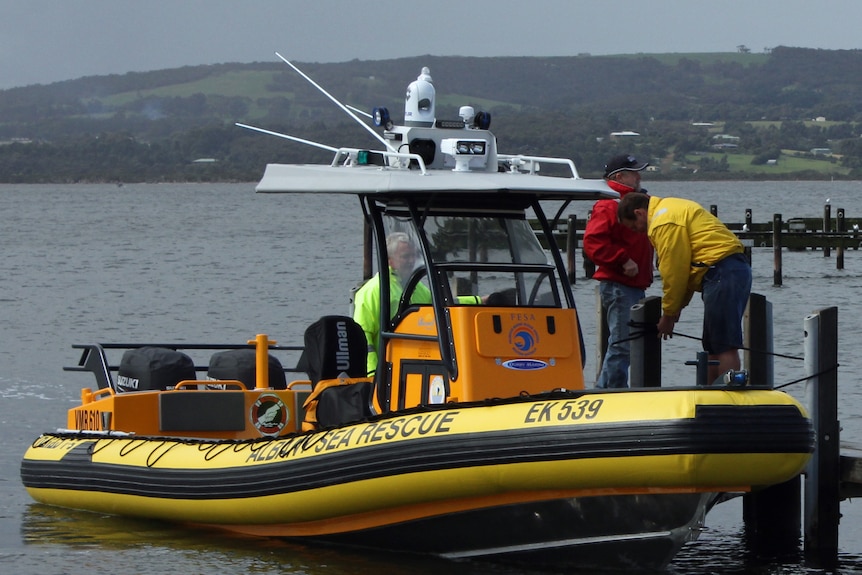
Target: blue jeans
{"type": "Point", "coordinates": [617, 300]}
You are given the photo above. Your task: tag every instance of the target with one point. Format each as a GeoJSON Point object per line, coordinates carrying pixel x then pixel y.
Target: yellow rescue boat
{"type": "Point", "coordinates": [474, 436]}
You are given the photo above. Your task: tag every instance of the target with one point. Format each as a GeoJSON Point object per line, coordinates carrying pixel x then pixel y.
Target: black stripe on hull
{"type": "Point", "coordinates": [716, 429]}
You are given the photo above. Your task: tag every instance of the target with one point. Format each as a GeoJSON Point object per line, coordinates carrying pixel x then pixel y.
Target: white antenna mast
{"type": "Point", "coordinates": [286, 137]}
{"type": "Point", "coordinates": [337, 103]}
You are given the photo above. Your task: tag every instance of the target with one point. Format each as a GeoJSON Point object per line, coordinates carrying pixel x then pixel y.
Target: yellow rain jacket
{"type": "Point", "coordinates": [687, 240]}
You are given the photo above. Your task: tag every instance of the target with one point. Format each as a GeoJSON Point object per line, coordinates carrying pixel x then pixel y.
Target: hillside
{"type": "Point", "coordinates": [791, 113]}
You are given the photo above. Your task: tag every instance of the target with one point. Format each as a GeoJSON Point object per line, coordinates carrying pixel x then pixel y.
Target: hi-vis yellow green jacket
{"type": "Point", "coordinates": [366, 308]}
{"type": "Point", "coordinates": [687, 240]}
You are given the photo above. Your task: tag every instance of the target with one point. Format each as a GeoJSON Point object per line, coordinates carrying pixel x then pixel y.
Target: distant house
{"type": "Point", "coordinates": [726, 138]}
{"type": "Point", "coordinates": [624, 134]}
{"type": "Point", "coordinates": [821, 151]}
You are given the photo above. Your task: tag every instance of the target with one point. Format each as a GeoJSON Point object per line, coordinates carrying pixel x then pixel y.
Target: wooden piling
{"type": "Point", "coordinates": [758, 356]}
{"type": "Point", "coordinates": [571, 246]}
{"type": "Point", "coordinates": [822, 510]}
{"type": "Point", "coordinates": [645, 352]}
{"type": "Point", "coordinates": [589, 266]}
{"type": "Point", "coordinates": [777, 272]}
{"type": "Point", "coordinates": [772, 518]}
{"type": "Point", "coordinates": [841, 228]}
{"type": "Point", "coordinates": [367, 251]}
{"type": "Point", "coordinates": [827, 227]}
{"type": "Point", "coordinates": [602, 332]}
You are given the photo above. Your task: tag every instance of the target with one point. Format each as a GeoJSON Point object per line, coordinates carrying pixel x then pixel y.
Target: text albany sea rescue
{"type": "Point", "coordinates": [416, 425]}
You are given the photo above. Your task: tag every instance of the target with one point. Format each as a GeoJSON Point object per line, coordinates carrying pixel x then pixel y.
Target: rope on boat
{"type": "Point", "coordinates": [650, 329]}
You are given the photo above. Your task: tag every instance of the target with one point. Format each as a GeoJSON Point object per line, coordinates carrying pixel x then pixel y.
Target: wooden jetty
{"type": "Point", "coordinates": [796, 234]}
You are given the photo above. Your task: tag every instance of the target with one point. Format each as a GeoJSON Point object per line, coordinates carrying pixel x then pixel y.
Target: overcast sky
{"type": "Point", "coordinates": [44, 41]}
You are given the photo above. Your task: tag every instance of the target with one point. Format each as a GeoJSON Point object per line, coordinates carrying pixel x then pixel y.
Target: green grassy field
{"type": "Point", "coordinates": [787, 164]}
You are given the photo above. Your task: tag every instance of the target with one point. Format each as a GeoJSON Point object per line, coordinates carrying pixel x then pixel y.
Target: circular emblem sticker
{"type": "Point", "coordinates": [523, 339]}
{"type": "Point", "coordinates": [269, 414]}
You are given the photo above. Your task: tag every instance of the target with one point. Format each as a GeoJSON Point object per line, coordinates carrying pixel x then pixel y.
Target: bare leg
{"type": "Point", "coordinates": [727, 360]}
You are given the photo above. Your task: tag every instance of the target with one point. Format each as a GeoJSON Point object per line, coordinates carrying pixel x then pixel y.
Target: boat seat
{"type": "Point", "coordinates": [153, 369]}
{"type": "Point", "coordinates": [335, 360]}
{"type": "Point", "coordinates": [334, 345]}
{"type": "Point", "coordinates": [241, 364]}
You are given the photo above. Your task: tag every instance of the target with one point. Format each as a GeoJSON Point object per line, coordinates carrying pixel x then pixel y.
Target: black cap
{"type": "Point", "coordinates": [623, 162]}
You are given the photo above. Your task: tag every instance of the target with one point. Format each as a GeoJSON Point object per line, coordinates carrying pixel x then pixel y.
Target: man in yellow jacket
{"type": "Point", "coordinates": [696, 252]}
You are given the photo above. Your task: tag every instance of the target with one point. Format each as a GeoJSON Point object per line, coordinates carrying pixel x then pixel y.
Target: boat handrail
{"type": "Point", "coordinates": [95, 360]}
{"type": "Point", "coordinates": [463, 266]}
{"type": "Point", "coordinates": [518, 161]}
{"type": "Point", "coordinates": [194, 384]}
{"type": "Point", "coordinates": [350, 157]}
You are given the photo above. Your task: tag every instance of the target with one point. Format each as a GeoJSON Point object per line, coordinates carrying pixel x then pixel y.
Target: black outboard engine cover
{"type": "Point", "coordinates": [241, 364]}
{"type": "Point", "coordinates": [153, 368]}
{"type": "Point", "coordinates": [334, 344]}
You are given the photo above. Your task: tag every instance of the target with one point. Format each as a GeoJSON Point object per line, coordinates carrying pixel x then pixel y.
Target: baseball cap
{"type": "Point", "coordinates": [623, 162]}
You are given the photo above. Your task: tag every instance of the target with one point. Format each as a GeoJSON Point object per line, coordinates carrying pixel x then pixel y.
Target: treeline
{"type": "Point", "coordinates": [156, 126]}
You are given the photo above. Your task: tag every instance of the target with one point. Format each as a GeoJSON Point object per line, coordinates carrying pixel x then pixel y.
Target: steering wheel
{"type": "Point", "coordinates": [534, 293]}
{"type": "Point", "coordinates": [409, 288]}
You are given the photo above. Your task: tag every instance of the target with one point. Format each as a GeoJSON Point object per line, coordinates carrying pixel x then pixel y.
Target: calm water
{"type": "Point", "coordinates": [217, 263]}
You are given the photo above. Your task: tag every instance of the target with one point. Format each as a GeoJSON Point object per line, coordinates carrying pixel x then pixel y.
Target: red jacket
{"type": "Point", "coordinates": [609, 244]}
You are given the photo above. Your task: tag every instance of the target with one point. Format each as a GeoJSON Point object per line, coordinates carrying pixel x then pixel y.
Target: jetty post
{"type": "Point", "coordinates": [645, 352]}
{"type": "Point", "coordinates": [777, 272]}
{"type": "Point", "coordinates": [822, 477]}
{"type": "Point", "coordinates": [758, 356]}
{"type": "Point", "coordinates": [827, 227]}
{"type": "Point", "coordinates": [841, 228]}
{"type": "Point", "coordinates": [589, 266]}
{"type": "Point", "coordinates": [602, 333]}
{"type": "Point", "coordinates": [772, 516]}
{"type": "Point", "coordinates": [571, 245]}
{"type": "Point", "coordinates": [367, 251]}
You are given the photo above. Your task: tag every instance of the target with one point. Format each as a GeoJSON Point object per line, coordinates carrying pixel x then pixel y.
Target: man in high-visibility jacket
{"type": "Point", "coordinates": [366, 300]}
{"type": "Point", "coordinates": [402, 261]}
{"type": "Point", "coordinates": [696, 252]}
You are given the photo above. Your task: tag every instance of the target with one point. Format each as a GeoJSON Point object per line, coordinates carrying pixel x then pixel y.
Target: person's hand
{"type": "Point", "coordinates": [630, 268]}
{"type": "Point", "coordinates": [665, 325]}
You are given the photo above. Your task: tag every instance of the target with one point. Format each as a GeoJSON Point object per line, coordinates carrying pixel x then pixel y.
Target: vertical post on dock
{"type": "Point", "coordinates": [772, 516]}
{"type": "Point", "coordinates": [645, 352]}
{"type": "Point", "coordinates": [827, 227]}
{"type": "Point", "coordinates": [367, 251]}
{"type": "Point", "coordinates": [776, 250]}
{"type": "Point", "coordinates": [757, 330]}
{"type": "Point", "coordinates": [822, 511]}
{"type": "Point", "coordinates": [748, 217]}
{"type": "Point", "coordinates": [840, 227]}
{"type": "Point", "coordinates": [602, 332]}
{"type": "Point", "coordinates": [589, 266]}
{"type": "Point", "coordinates": [713, 209]}
{"type": "Point", "coordinates": [571, 246]}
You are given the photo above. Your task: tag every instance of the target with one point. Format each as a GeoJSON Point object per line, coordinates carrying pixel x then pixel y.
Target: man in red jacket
{"type": "Point", "coordinates": [624, 261]}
